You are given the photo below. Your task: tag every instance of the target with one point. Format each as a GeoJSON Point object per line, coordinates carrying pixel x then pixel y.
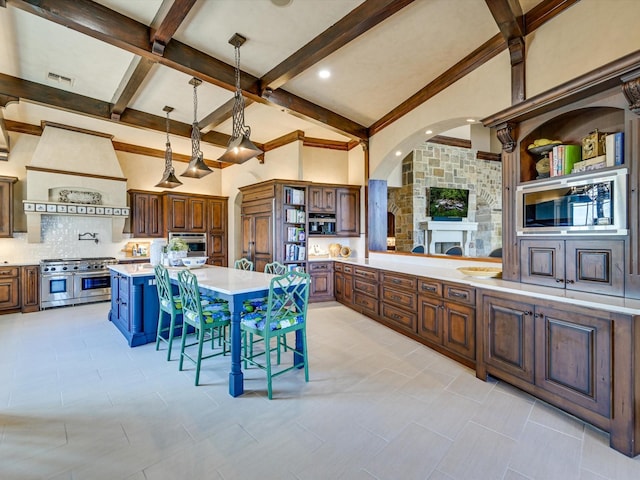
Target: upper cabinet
{"type": "Point", "coordinates": [6, 206]}
{"type": "Point", "coordinates": [146, 214]}
{"type": "Point", "coordinates": [348, 211]}
{"type": "Point", "coordinates": [570, 184]}
{"type": "Point", "coordinates": [322, 199]}
{"type": "Point", "coordinates": [185, 213]}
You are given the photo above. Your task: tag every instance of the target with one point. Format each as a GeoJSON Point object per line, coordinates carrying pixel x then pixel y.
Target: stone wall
{"type": "Point", "coordinates": [435, 165]}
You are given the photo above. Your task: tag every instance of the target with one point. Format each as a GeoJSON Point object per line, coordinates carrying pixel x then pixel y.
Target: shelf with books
{"type": "Point", "coordinates": [294, 226]}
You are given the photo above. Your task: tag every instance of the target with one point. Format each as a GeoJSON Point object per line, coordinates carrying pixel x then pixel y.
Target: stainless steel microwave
{"type": "Point", "coordinates": [595, 203]}
{"type": "Point", "coordinates": [197, 242]}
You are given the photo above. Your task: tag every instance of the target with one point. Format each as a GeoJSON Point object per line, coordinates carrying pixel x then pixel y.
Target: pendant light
{"type": "Point", "coordinates": [240, 148]}
{"type": "Point", "coordinates": [197, 168]}
{"type": "Point", "coordinates": [169, 179]}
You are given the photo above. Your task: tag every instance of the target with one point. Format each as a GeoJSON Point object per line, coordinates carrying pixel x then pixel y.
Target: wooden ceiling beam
{"type": "Point", "coordinates": [64, 100]}
{"type": "Point", "coordinates": [133, 83]}
{"type": "Point", "coordinates": [221, 114]}
{"type": "Point", "coordinates": [360, 20]}
{"type": "Point", "coordinates": [172, 20]}
{"type": "Point", "coordinates": [97, 21]}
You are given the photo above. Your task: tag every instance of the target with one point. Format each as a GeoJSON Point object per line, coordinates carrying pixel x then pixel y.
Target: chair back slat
{"type": "Point", "coordinates": [163, 284]}
{"type": "Point", "coordinates": [288, 298]}
{"type": "Point", "coordinates": [189, 294]}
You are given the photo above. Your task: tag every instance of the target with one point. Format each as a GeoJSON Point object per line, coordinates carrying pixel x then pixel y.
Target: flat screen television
{"type": "Point", "coordinates": [447, 203]}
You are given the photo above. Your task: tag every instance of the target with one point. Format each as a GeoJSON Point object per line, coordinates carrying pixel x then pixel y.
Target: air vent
{"type": "Point", "coordinates": [61, 79]}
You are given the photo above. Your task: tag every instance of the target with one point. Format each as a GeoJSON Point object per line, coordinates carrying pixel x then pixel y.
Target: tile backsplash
{"type": "Point", "coordinates": [60, 240]}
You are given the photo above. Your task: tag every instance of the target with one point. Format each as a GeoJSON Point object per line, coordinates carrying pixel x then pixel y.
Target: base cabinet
{"type": "Point", "coordinates": [321, 288]}
{"type": "Point", "coordinates": [447, 319]}
{"type": "Point", "coordinates": [30, 288]}
{"type": "Point", "coordinates": [343, 285]}
{"type": "Point", "coordinates": [9, 289]}
{"type": "Point", "coordinates": [134, 307]}
{"type": "Point", "coordinates": [579, 359]}
{"type": "Point", "coordinates": [399, 300]}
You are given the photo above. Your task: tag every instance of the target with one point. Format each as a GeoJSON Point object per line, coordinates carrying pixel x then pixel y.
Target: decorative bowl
{"type": "Point", "coordinates": [345, 252]}
{"type": "Point", "coordinates": [481, 272]}
{"type": "Point", "coordinates": [194, 262]}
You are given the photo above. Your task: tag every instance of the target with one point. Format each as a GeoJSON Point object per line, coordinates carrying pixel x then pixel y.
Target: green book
{"type": "Point", "coordinates": [572, 154]}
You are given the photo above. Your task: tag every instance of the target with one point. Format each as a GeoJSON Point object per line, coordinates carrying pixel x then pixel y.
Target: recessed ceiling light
{"type": "Point", "coordinates": [56, 77]}
{"type": "Point", "coordinates": [470, 120]}
{"type": "Point", "coordinates": [282, 3]}
{"type": "Point", "coordinates": [398, 153]}
{"type": "Point", "coordinates": [429, 132]}
{"type": "Point", "coordinates": [324, 73]}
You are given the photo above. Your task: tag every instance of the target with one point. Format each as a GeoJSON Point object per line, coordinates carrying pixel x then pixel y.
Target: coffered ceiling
{"type": "Point", "coordinates": [112, 65]}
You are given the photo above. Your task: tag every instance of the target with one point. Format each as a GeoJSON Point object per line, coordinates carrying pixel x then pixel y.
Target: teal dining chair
{"type": "Point", "coordinates": [286, 312]}
{"type": "Point", "coordinates": [169, 304]}
{"type": "Point", "coordinates": [243, 264]}
{"type": "Point", "coordinates": [275, 268]}
{"type": "Point", "coordinates": [209, 320]}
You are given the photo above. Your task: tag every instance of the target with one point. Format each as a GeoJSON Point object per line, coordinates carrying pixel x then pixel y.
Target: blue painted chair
{"type": "Point", "coordinates": [286, 312]}
{"type": "Point", "coordinates": [243, 264]}
{"type": "Point", "coordinates": [496, 253]}
{"type": "Point", "coordinates": [418, 249]}
{"type": "Point", "coordinates": [170, 305]}
{"type": "Point", "coordinates": [210, 318]}
{"type": "Point", "coordinates": [457, 250]}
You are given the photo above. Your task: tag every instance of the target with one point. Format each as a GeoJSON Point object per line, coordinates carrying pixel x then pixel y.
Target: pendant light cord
{"type": "Point", "coordinates": [168, 154]}
{"type": "Point", "coordinates": [195, 130]}
{"type": "Point", "coordinates": [239, 128]}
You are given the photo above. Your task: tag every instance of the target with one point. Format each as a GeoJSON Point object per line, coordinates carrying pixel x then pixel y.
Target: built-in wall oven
{"type": "Point", "coordinates": [197, 242]}
{"type": "Point", "coordinates": [73, 281]}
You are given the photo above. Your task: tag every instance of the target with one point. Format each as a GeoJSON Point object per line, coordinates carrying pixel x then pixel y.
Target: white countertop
{"type": "Point", "coordinates": [440, 269]}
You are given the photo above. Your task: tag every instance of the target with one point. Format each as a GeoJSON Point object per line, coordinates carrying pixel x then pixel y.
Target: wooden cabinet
{"type": "Point", "coordinates": [321, 288]}
{"type": "Point", "coordinates": [343, 279]}
{"type": "Point", "coordinates": [365, 291]}
{"type": "Point", "coordinates": [595, 266]}
{"type": "Point", "coordinates": [446, 318]}
{"type": "Point", "coordinates": [258, 232]}
{"type": "Point", "coordinates": [134, 307]}
{"type": "Point", "coordinates": [6, 206]}
{"type": "Point", "coordinates": [399, 300]}
{"type": "Point", "coordinates": [322, 199]}
{"type": "Point", "coordinates": [30, 288]}
{"type": "Point", "coordinates": [291, 204]}
{"type": "Point", "coordinates": [347, 212]}
{"type": "Point", "coordinates": [147, 214]}
{"type": "Point", "coordinates": [9, 289]}
{"type": "Point", "coordinates": [577, 358]}
{"type": "Point", "coordinates": [217, 211]}
{"type": "Point", "coordinates": [185, 213]}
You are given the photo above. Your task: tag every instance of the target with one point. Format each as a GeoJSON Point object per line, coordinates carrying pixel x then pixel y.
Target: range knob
{"type": "Point", "coordinates": [64, 268]}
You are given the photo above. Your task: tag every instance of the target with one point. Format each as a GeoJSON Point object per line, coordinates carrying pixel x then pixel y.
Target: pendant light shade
{"type": "Point", "coordinates": [169, 179]}
{"type": "Point", "coordinates": [240, 148]}
{"type": "Point", "coordinates": [196, 168]}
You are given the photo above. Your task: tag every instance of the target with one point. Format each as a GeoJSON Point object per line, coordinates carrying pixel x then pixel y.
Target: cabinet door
{"type": "Point", "coordinates": [321, 281]}
{"type": "Point", "coordinates": [217, 249]}
{"type": "Point", "coordinates": [459, 334]}
{"type": "Point", "coordinates": [6, 206]}
{"type": "Point", "coordinates": [257, 239]}
{"type": "Point", "coordinates": [347, 212]}
{"type": "Point", "coordinates": [339, 286]}
{"type": "Point", "coordinates": [197, 215]}
{"type": "Point", "coordinates": [508, 338]}
{"type": "Point", "coordinates": [595, 266]}
{"type": "Point", "coordinates": [573, 356]}
{"type": "Point", "coordinates": [542, 262]}
{"type": "Point", "coordinates": [430, 319]}
{"type": "Point", "coordinates": [30, 286]}
{"type": "Point", "coordinates": [9, 289]}
{"type": "Point", "coordinates": [217, 210]}
{"type": "Point", "coordinates": [399, 317]}
{"type": "Point", "coordinates": [322, 199]}
{"type": "Point", "coordinates": [146, 215]}
{"type": "Point", "coordinates": [177, 213]}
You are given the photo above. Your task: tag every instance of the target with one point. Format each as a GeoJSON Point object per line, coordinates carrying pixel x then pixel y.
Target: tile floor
{"type": "Point", "coordinates": [77, 403]}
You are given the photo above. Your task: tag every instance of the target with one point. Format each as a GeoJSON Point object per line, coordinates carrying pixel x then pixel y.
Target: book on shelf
{"type": "Point", "coordinates": [294, 215]}
{"type": "Point", "coordinates": [614, 149]}
{"type": "Point", "coordinates": [562, 158]}
{"type": "Point", "coordinates": [293, 196]}
{"type": "Point", "coordinates": [295, 253]}
{"type": "Point", "coordinates": [295, 234]}
{"type": "Point", "coordinates": [594, 163]}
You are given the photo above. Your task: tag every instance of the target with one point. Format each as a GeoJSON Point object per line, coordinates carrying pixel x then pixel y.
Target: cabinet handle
{"type": "Point", "coordinates": [395, 280]}
{"type": "Point", "coordinates": [528, 312]}
{"type": "Point", "coordinates": [539, 315]}
{"type": "Point", "coordinates": [458, 294]}
{"type": "Point", "coordinates": [396, 298]}
{"type": "Point", "coordinates": [429, 288]}
{"type": "Point", "coordinates": [559, 280]}
{"type": "Point", "coordinates": [570, 281]}
{"type": "Point", "coordinates": [5, 273]}
{"type": "Point", "coordinates": [395, 316]}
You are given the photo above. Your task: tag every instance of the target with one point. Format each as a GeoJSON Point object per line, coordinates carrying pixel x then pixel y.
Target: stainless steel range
{"type": "Point", "coordinates": [71, 281]}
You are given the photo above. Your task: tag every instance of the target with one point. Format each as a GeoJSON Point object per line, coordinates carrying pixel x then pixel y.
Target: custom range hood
{"type": "Point", "coordinates": [75, 172]}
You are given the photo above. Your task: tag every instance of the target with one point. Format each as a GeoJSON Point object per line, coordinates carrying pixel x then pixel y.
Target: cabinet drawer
{"type": "Point", "coordinates": [400, 298]}
{"type": "Point", "coordinates": [430, 287]}
{"type": "Point", "coordinates": [9, 271]}
{"type": "Point", "coordinates": [460, 294]}
{"type": "Point", "coordinates": [406, 282]}
{"type": "Point", "coordinates": [339, 267]}
{"type": "Point", "coordinates": [366, 304]}
{"type": "Point", "coordinates": [347, 268]}
{"type": "Point", "coordinates": [366, 287]}
{"type": "Point", "coordinates": [406, 320]}
{"type": "Point", "coordinates": [368, 273]}
{"type": "Point", "coordinates": [320, 267]}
